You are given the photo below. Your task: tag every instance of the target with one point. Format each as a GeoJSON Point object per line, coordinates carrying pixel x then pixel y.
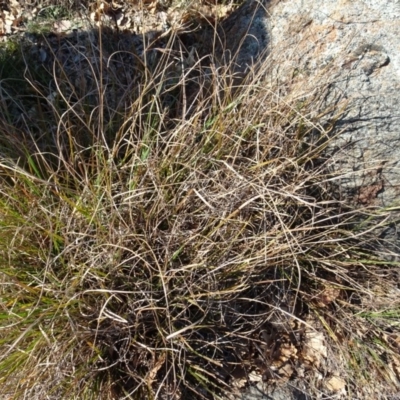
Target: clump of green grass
{"type": "Point", "coordinates": [141, 256]}
{"type": "Point", "coordinates": [46, 17]}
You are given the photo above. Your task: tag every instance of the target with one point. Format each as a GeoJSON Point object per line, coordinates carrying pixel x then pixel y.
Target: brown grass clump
{"type": "Point", "coordinates": [161, 245]}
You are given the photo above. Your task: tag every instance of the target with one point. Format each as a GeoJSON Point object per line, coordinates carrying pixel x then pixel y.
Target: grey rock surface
{"type": "Point", "coordinates": [263, 392]}
{"type": "Point", "coordinates": [351, 50]}
{"type": "Point", "coordinates": [243, 38]}
{"type": "Point", "coordinates": [354, 46]}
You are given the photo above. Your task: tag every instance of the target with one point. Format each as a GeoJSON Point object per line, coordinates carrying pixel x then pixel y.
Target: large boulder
{"type": "Point", "coordinates": [351, 51]}
{"type": "Point", "coordinates": [243, 38]}
{"type": "Point", "coordinates": [352, 46]}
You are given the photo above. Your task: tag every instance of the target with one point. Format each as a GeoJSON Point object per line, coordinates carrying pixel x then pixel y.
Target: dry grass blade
{"type": "Point", "coordinates": [163, 232]}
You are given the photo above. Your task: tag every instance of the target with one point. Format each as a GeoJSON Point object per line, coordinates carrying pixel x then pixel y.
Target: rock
{"type": "Point", "coordinates": [350, 49]}
{"type": "Point", "coordinates": [336, 384]}
{"type": "Point", "coordinates": [353, 46]}
{"type": "Point", "coordinates": [243, 37]}
{"type": "Point", "coordinates": [264, 392]}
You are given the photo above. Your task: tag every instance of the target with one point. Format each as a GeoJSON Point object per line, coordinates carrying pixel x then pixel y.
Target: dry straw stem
{"type": "Point", "coordinates": [146, 250]}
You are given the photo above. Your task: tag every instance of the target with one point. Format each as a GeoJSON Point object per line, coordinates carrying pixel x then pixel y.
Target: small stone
{"type": "Point", "coordinates": [336, 384]}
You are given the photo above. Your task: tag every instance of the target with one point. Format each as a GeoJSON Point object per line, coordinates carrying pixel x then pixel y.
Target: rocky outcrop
{"type": "Point", "coordinates": [352, 46]}
{"type": "Point", "coordinates": [350, 50]}
{"type": "Point", "coordinates": [243, 38]}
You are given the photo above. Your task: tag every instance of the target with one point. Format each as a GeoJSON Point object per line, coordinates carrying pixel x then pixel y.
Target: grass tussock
{"type": "Point", "coordinates": [153, 230]}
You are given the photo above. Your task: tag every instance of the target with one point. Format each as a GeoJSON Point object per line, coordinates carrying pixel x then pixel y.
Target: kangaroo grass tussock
{"type": "Point", "coordinates": [146, 245]}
